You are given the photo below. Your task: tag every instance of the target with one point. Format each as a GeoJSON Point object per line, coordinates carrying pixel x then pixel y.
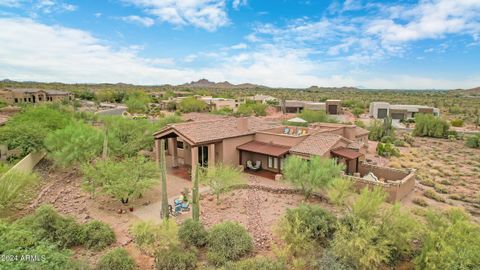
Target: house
{"type": "Point", "coordinates": [330, 106]}
{"type": "Point", "coordinates": [220, 103]}
{"type": "Point", "coordinates": [264, 99]}
{"type": "Point", "coordinates": [254, 143]}
{"type": "Point", "coordinates": [22, 95]}
{"type": "Point", "coordinates": [235, 141]}
{"type": "Point", "coordinates": [380, 110]}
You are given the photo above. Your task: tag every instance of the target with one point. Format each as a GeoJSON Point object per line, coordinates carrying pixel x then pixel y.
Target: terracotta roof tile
{"type": "Point", "coordinates": [317, 144]}
{"type": "Point", "coordinates": [270, 149]}
{"type": "Point", "coordinates": [213, 130]}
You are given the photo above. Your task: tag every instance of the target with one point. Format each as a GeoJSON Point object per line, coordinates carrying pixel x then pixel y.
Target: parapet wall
{"type": "Point", "coordinates": [398, 183]}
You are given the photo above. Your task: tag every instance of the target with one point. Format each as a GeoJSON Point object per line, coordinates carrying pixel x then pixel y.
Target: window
{"type": "Point", "coordinates": [179, 144]}
{"type": "Point", "coordinates": [16, 100]}
{"type": "Point", "coordinates": [273, 162]}
{"type": "Point", "coordinates": [282, 161]}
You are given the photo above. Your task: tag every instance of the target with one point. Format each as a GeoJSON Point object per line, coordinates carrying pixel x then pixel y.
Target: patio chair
{"type": "Point", "coordinates": [286, 130]}
{"type": "Point", "coordinates": [255, 167]}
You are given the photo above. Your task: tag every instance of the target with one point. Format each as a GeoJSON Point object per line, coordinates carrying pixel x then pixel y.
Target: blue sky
{"type": "Point", "coordinates": [280, 43]}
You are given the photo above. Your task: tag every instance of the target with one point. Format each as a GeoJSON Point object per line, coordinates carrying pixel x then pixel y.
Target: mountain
{"type": "Point", "coordinates": [204, 83]}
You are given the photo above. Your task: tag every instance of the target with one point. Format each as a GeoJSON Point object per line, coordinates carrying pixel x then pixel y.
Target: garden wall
{"type": "Point", "coordinates": [398, 183]}
{"type": "Point", "coordinates": [27, 164]}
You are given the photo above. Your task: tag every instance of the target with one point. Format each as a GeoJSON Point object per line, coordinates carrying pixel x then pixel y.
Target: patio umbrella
{"type": "Point", "coordinates": [297, 120]}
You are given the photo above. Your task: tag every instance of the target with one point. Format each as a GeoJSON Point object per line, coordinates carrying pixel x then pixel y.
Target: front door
{"type": "Point", "coordinates": [332, 109]}
{"type": "Point", "coordinates": [203, 156]}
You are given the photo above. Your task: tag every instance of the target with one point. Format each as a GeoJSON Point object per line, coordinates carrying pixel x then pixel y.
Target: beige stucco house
{"type": "Point", "coordinates": [236, 141]}
{"type": "Point", "coordinates": [22, 95]}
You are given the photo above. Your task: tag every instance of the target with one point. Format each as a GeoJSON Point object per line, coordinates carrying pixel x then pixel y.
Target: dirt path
{"type": "Point", "coordinates": [255, 224]}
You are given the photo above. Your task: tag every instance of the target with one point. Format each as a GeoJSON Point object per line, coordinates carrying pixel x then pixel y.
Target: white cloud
{"type": "Point", "coordinates": [238, 3]}
{"type": "Point", "coordinates": [11, 3]}
{"type": "Point", "coordinates": [145, 21]}
{"type": "Point", "coordinates": [51, 6]}
{"type": "Point", "coordinates": [239, 46]}
{"type": "Point", "coordinates": [205, 14]}
{"type": "Point", "coordinates": [34, 51]}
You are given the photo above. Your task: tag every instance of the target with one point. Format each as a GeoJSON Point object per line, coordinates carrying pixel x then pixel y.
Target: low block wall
{"type": "Point", "coordinates": [399, 183]}
{"type": "Point", "coordinates": [27, 164]}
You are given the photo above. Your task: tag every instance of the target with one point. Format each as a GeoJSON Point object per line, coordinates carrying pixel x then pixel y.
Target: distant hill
{"type": "Point", "coordinates": [204, 83]}
{"type": "Point", "coordinates": [470, 92]}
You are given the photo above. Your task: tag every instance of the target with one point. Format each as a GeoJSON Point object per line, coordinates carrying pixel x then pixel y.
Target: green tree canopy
{"type": "Point", "coordinates": [75, 144]}
{"type": "Point", "coordinates": [310, 175]}
{"type": "Point", "coordinates": [137, 102]}
{"type": "Point", "coordinates": [122, 179]}
{"type": "Point", "coordinates": [427, 125]}
{"type": "Point", "coordinates": [191, 104]}
{"type": "Point", "coordinates": [220, 177]}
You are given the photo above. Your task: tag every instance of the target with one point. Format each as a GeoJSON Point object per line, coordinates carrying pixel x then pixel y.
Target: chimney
{"type": "Point", "coordinates": [242, 124]}
{"type": "Point", "coordinates": [350, 132]}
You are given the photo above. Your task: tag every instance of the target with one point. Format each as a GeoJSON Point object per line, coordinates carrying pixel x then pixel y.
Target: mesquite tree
{"type": "Point", "coordinates": [163, 175]}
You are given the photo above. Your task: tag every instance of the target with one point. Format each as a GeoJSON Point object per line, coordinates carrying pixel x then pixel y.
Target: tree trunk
{"type": "Point", "coordinates": [105, 144]}
{"type": "Point", "coordinates": [163, 174]}
{"type": "Point", "coordinates": [196, 197]}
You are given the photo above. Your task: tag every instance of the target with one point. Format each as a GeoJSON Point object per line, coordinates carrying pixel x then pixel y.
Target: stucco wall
{"type": "Point", "coordinates": [27, 164]}
{"type": "Point", "coordinates": [279, 139]}
{"type": "Point", "coordinates": [230, 152]}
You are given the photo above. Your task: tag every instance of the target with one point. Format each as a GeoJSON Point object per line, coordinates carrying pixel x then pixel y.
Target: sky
{"type": "Point", "coordinates": [426, 44]}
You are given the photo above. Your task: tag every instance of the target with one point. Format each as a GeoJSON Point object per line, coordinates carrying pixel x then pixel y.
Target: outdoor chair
{"type": "Point", "coordinates": [256, 167]}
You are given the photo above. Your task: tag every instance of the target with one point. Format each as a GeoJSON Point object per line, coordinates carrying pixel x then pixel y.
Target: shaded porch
{"type": "Point", "coordinates": [266, 156]}
{"type": "Point", "coordinates": [349, 157]}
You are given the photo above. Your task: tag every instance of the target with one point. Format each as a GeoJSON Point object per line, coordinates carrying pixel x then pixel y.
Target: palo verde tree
{"type": "Point", "coordinates": [123, 179]}
{"type": "Point", "coordinates": [310, 175]}
{"type": "Point", "coordinates": [75, 144]}
{"type": "Point", "coordinates": [221, 177]}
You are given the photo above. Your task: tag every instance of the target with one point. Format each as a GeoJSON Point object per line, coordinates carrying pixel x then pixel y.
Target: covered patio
{"type": "Point", "coordinates": [349, 157]}
{"type": "Point", "coordinates": [263, 156]}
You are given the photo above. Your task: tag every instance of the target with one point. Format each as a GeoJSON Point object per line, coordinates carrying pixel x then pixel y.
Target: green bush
{"type": "Point", "coordinates": [257, 263]}
{"type": "Point", "coordinates": [228, 241]}
{"type": "Point", "coordinates": [117, 259]}
{"type": "Point", "coordinates": [151, 237]}
{"type": "Point", "coordinates": [473, 141]}
{"type": "Point", "coordinates": [457, 122]}
{"type": "Point", "coordinates": [252, 108]}
{"type": "Point", "coordinates": [315, 222]}
{"type": "Point", "coordinates": [193, 233]}
{"type": "Point", "coordinates": [48, 225]}
{"type": "Point", "coordinates": [175, 258]}
{"type": "Point", "coordinates": [451, 242]}
{"type": "Point", "coordinates": [379, 129]}
{"type": "Point", "coordinates": [329, 262]}
{"type": "Point", "coordinates": [316, 116]}
{"type": "Point", "coordinates": [387, 150]}
{"type": "Point", "coordinates": [427, 125]}
{"type": "Point", "coordinates": [191, 104]}
{"type": "Point", "coordinates": [433, 195]}
{"type": "Point", "coordinates": [97, 235]}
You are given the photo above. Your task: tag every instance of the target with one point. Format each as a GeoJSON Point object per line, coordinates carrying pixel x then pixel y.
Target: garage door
{"type": "Point", "coordinates": [382, 113]}
{"type": "Point", "coordinates": [398, 116]}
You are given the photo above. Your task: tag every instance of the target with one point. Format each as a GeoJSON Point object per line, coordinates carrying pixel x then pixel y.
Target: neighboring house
{"type": "Point", "coordinates": [21, 95]}
{"type": "Point", "coordinates": [220, 103]}
{"type": "Point", "coordinates": [264, 99]}
{"type": "Point", "coordinates": [235, 141]}
{"type": "Point", "coordinates": [380, 110]}
{"type": "Point", "coordinates": [330, 106]}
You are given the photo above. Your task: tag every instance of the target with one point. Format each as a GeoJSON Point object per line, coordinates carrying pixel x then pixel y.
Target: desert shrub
{"type": "Point", "coordinates": [191, 104]}
{"type": "Point", "coordinates": [473, 141]}
{"type": "Point", "coordinates": [315, 223]}
{"type": "Point", "coordinates": [387, 139]}
{"type": "Point", "coordinates": [193, 233]}
{"type": "Point", "coordinates": [117, 259]}
{"type": "Point", "coordinates": [97, 235]}
{"type": "Point", "coordinates": [13, 184]}
{"type": "Point", "coordinates": [387, 150]}
{"type": "Point", "coordinates": [421, 202]}
{"type": "Point", "coordinates": [257, 263]}
{"type": "Point", "coordinates": [379, 129]}
{"type": "Point", "coordinates": [456, 122]}
{"type": "Point", "coordinates": [151, 237]}
{"type": "Point", "coordinates": [357, 111]}
{"type": "Point", "coordinates": [427, 182]}
{"type": "Point", "coordinates": [175, 258]}
{"type": "Point", "coordinates": [330, 262]}
{"type": "Point", "coordinates": [427, 125]}
{"type": "Point", "coordinates": [451, 242]}
{"type": "Point", "coordinates": [48, 225]}
{"type": "Point", "coordinates": [408, 138]}
{"type": "Point", "coordinates": [399, 143]}
{"type": "Point", "coordinates": [440, 189]}
{"type": "Point", "coordinates": [310, 175]}
{"type": "Point", "coordinates": [433, 195]}
{"type": "Point", "coordinates": [228, 241]}
{"type": "Point", "coordinates": [360, 123]}
{"type": "Point", "coordinates": [339, 191]}
{"type": "Point", "coordinates": [316, 116]}
{"type": "Point", "coordinates": [137, 102]}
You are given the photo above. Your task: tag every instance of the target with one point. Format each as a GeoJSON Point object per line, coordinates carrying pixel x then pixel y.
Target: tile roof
{"type": "Point", "coordinates": [347, 153]}
{"type": "Point", "coordinates": [214, 130]}
{"type": "Point", "coordinates": [35, 90]}
{"type": "Point", "coordinates": [317, 144]}
{"type": "Point", "coordinates": [270, 149]}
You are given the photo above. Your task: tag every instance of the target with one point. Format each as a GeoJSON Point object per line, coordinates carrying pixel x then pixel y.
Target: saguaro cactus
{"type": "Point", "coordinates": [163, 175]}
{"type": "Point", "coordinates": [196, 196]}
